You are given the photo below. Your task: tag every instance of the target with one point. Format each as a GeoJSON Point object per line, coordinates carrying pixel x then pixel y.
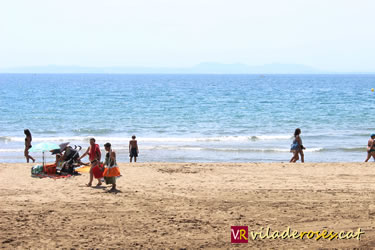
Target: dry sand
{"type": "Point", "coordinates": [173, 205]}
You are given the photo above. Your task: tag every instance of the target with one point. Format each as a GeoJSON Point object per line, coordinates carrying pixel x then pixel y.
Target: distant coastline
{"type": "Point", "coordinates": [202, 68]}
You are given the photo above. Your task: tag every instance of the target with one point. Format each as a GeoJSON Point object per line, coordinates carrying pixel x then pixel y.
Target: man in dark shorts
{"type": "Point", "coordinates": [133, 149]}
{"type": "Point", "coordinates": [371, 147]}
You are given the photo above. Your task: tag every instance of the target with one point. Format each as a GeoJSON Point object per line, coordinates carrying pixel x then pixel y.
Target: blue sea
{"type": "Point", "coordinates": [191, 118]}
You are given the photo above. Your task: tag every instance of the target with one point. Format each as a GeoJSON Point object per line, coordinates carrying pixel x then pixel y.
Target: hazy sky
{"type": "Point", "coordinates": [325, 34]}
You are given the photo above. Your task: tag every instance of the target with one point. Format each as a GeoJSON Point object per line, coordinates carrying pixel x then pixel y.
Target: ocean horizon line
{"type": "Point", "coordinates": [191, 74]}
{"type": "Point", "coordinates": [212, 68]}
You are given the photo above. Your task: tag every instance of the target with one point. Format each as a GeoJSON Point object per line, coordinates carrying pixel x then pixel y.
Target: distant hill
{"type": "Point", "coordinates": [202, 68]}
{"type": "Point", "coordinates": [239, 68]}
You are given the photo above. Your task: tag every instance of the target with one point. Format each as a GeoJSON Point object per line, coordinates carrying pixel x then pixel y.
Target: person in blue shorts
{"type": "Point", "coordinates": [297, 147]}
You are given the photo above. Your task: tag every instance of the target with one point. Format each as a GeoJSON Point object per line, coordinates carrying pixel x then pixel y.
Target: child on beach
{"type": "Point", "coordinates": [371, 148]}
{"type": "Point", "coordinates": [297, 147]}
{"type": "Point", "coordinates": [111, 170]}
{"type": "Point", "coordinates": [28, 140]}
{"type": "Point", "coordinates": [133, 149]}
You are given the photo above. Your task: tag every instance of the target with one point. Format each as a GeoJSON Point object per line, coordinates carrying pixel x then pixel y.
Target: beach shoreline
{"type": "Point", "coordinates": [189, 205]}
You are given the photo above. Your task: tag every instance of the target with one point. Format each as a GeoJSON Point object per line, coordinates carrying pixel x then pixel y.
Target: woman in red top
{"type": "Point", "coordinates": [94, 156]}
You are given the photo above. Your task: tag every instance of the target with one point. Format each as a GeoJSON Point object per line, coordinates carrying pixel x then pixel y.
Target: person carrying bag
{"type": "Point", "coordinates": [111, 171]}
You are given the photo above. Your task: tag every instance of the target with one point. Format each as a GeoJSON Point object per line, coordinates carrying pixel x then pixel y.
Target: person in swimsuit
{"type": "Point", "coordinates": [58, 161]}
{"type": "Point", "coordinates": [297, 147]}
{"type": "Point", "coordinates": [94, 156]}
{"type": "Point", "coordinates": [371, 148]}
{"type": "Point", "coordinates": [133, 149]}
{"type": "Point", "coordinates": [111, 171]}
{"type": "Point", "coordinates": [28, 140]}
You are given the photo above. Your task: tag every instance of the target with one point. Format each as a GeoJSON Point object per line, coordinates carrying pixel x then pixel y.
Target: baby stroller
{"type": "Point", "coordinates": [70, 160]}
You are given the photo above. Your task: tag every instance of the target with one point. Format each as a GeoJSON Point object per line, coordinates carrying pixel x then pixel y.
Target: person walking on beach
{"type": "Point", "coordinates": [371, 148]}
{"type": "Point", "coordinates": [28, 140]}
{"type": "Point", "coordinates": [133, 149]}
{"type": "Point", "coordinates": [111, 171]}
{"type": "Point", "coordinates": [94, 156]}
{"type": "Point", "coordinates": [297, 147]}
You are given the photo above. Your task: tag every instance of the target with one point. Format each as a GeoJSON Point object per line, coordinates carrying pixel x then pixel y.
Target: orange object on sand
{"type": "Point", "coordinates": [85, 169]}
{"type": "Point", "coordinates": [111, 172]}
{"type": "Point", "coordinates": [50, 168]}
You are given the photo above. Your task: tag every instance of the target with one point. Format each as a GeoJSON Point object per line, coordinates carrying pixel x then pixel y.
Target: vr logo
{"type": "Point", "coordinates": [239, 234]}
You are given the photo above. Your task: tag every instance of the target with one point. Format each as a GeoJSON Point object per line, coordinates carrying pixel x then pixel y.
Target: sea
{"type": "Point", "coordinates": [190, 118]}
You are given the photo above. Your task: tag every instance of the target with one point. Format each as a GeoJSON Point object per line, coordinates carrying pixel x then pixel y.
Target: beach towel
{"type": "Point", "coordinates": [83, 169]}
{"type": "Point", "coordinates": [53, 176]}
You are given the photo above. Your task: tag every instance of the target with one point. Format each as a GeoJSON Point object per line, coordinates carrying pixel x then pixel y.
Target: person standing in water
{"type": "Point", "coordinates": [28, 140]}
{"type": "Point", "coordinates": [297, 147]}
{"type": "Point", "coordinates": [371, 148]}
{"type": "Point", "coordinates": [133, 149]}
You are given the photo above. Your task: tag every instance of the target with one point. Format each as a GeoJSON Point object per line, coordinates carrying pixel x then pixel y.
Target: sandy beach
{"type": "Point", "coordinates": [189, 205]}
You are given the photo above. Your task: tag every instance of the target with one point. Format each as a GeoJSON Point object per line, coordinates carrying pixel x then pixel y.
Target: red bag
{"type": "Point", "coordinates": [50, 169]}
{"type": "Point", "coordinates": [98, 171]}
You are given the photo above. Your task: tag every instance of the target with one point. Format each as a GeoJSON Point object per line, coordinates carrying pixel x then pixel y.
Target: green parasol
{"type": "Point", "coordinates": [43, 147]}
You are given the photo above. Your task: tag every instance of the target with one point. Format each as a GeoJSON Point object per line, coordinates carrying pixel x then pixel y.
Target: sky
{"type": "Point", "coordinates": [335, 35]}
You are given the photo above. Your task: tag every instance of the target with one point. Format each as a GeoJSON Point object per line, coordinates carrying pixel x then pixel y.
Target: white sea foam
{"type": "Point", "coordinates": [265, 150]}
{"type": "Point", "coordinates": [148, 139]}
{"type": "Point", "coordinates": [314, 149]}
{"type": "Point", "coordinates": [44, 139]}
{"type": "Point", "coordinates": [272, 137]}
{"type": "Point", "coordinates": [11, 150]}
{"type": "Point", "coordinates": [244, 150]}
{"type": "Point", "coordinates": [122, 148]}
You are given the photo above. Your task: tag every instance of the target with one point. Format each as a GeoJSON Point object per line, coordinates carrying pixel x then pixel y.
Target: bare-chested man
{"type": "Point", "coordinates": [371, 148]}
{"type": "Point", "coordinates": [133, 149]}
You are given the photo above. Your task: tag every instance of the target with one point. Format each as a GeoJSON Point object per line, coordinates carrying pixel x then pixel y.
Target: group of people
{"type": "Point", "coordinates": [94, 151]}
{"type": "Point", "coordinates": [108, 170]}
{"type": "Point", "coordinates": [297, 147]}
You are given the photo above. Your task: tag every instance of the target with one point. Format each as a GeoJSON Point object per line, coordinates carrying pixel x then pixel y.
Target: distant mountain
{"type": "Point", "coordinates": [238, 68]}
{"type": "Point", "coordinates": [202, 68]}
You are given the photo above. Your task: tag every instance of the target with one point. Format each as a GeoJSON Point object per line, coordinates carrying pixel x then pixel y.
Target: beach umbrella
{"type": "Point", "coordinates": [43, 147]}
{"type": "Point", "coordinates": [62, 146]}
{"type": "Point", "coordinates": [55, 151]}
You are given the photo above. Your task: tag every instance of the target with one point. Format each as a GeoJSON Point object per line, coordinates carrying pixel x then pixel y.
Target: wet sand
{"type": "Point", "coordinates": [188, 205]}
